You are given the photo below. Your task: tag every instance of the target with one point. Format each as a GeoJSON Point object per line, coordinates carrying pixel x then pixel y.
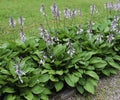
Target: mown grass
{"type": "Point", "coordinates": [29, 9]}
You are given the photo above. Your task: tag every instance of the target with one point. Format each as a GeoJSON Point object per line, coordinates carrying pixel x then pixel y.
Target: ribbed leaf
{"type": "Point", "coordinates": [59, 86]}
{"type": "Point", "coordinates": [89, 87]}
{"type": "Point", "coordinates": [113, 63]}
{"type": "Point", "coordinates": [92, 74]}
{"type": "Point", "coordinates": [37, 89]}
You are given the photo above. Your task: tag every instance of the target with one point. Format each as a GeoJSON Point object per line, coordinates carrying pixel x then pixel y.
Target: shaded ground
{"type": "Point", "coordinates": [108, 89]}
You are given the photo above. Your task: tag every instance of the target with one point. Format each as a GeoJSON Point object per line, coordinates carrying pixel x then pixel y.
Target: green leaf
{"type": "Point", "coordinates": [59, 86]}
{"type": "Point", "coordinates": [92, 74]}
{"type": "Point", "coordinates": [28, 95]}
{"type": "Point", "coordinates": [33, 80]}
{"type": "Point", "coordinates": [44, 78]}
{"type": "Point", "coordinates": [12, 69]}
{"type": "Point", "coordinates": [59, 72]}
{"type": "Point", "coordinates": [71, 80]}
{"type": "Point", "coordinates": [57, 63]}
{"type": "Point", "coordinates": [53, 78]}
{"type": "Point", "coordinates": [59, 49]}
{"type": "Point", "coordinates": [8, 90]}
{"type": "Point", "coordinates": [47, 66]}
{"type": "Point", "coordinates": [80, 89]}
{"type": "Point", "coordinates": [44, 97]}
{"type": "Point", "coordinates": [78, 74]}
{"type": "Point", "coordinates": [106, 29]}
{"type": "Point", "coordinates": [92, 81]}
{"type": "Point", "coordinates": [10, 97]}
{"type": "Point", "coordinates": [3, 71]}
{"type": "Point", "coordinates": [98, 62]}
{"type": "Point", "coordinates": [113, 63]}
{"type": "Point", "coordinates": [106, 72]}
{"type": "Point", "coordinates": [82, 81]}
{"type": "Point", "coordinates": [89, 87]}
{"type": "Point", "coordinates": [37, 89]}
{"type": "Point", "coordinates": [88, 55]}
{"type": "Point", "coordinates": [116, 57]}
{"type": "Point", "coordinates": [52, 72]}
{"type": "Point", "coordinates": [46, 91]}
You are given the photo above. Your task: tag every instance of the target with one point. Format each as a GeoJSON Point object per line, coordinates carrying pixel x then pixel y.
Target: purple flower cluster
{"type": "Point", "coordinates": [45, 35]}
{"type": "Point", "coordinates": [71, 50]}
{"type": "Point", "coordinates": [19, 72]}
{"type": "Point", "coordinates": [12, 22]}
{"type": "Point", "coordinates": [113, 6]}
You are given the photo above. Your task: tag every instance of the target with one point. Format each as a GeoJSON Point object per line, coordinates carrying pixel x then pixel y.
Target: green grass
{"type": "Point", "coordinates": [29, 9]}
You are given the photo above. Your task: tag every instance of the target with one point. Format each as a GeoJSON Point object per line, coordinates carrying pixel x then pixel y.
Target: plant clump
{"type": "Point", "coordinates": [74, 57]}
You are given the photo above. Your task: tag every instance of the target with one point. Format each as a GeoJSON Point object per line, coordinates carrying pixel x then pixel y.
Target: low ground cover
{"type": "Point", "coordinates": [63, 56]}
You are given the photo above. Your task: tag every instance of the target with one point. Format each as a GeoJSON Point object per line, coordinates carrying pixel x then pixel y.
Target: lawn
{"type": "Point", "coordinates": [29, 9]}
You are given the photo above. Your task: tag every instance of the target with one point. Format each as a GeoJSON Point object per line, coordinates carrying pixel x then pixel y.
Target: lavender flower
{"type": "Point", "coordinates": [55, 11]}
{"type": "Point", "coordinates": [80, 30]}
{"type": "Point", "coordinates": [22, 35]}
{"type": "Point", "coordinates": [73, 13]}
{"type": "Point", "coordinates": [110, 38]}
{"type": "Point", "coordinates": [12, 22]}
{"type": "Point", "coordinates": [54, 8]}
{"type": "Point", "coordinates": [109, 6]}
{"type": "Point", "coordinates": [21, 20]}
{"type": "Point", "coordinates": [99, 38]}
{"type": "Point", "coordinates": [79, 12]}
{"type": "Point", "coordinates": [93, 9]}
{"type": "Point", "coordinates": [67, 13]}
{"type": "Point", "coordinates": [19, 72]}
{"type": "Point", "coordinates": [117, 7]}
{"type": "Point", "coordinates": [42, 61]}
{"type": "Point", "coordinates": [71, 50]}
{"type": "Point", "coordinates": [42, 10]}
{"type": "Point", "coordinates": [45, 35]}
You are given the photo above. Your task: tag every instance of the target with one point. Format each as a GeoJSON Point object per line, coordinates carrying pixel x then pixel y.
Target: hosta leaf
{"type": "Point", "coordinates": [8, 90]}
{"type": "Point", "coordinates": [59, 72]}
{"type": "Point", "coordinates": [46, 91]}
{"type": "Point", "coordinates": [59, 86]}
{"type": "Point", "coordinates": [89, 87]}
{"type": "Point", "coordinates": [82, 81]}
{"type": "Point", "coordinates": [52, 72]}
{"type": "Point", "coordinates": [59, 49]}
{"type": "Point", "coordinates": [113, 71]}
{"type": "Point", "coordinates": [53, 78]}
{"type": "Point", "coordinates": [37, 89]}
{"type": "Point", "coordinates": [92, 74]}
{"type": "Point", "coordinates": [44, 97]}
{"type": "Point", "coordinates": [106, 72]}
{"type": "Point", "coordinates": [80, 89]}
{"type": "Point", "coordinates": [78, 74]}
{"type": "Point", "coordinates": [116, 57]}
{"type": "Point", "coordinates": [106, 29]}
{"type": "Point", "coordinates": [47, 66]}
{"type": "Point", "coordinates": [113, 63]}
{"type": "Point", "coordinates": [28, 95]}
{"type": "Point", "coordinates": [57, 63]}
{"type": "Point", "coordinates": [88, 55]}
{"type": "Point", "coordinates": [33, 81]}
{"type": "Point", "coordinates": [10, 97]}
{"type": "Point", "coordinates": [3, 71]}
{"type": "Point", "coordinates": [44, 78]}
{"type": "Point", "coordinates": [12, 69]}
{"type": "Point", "coordinates": [98, 62]}
{"type": "Point", "coordinates": [69, 81]}
{"type": "Point", "coordinates": [42, 45]}
{"type": "Point", "coordinates": [92, 81]}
